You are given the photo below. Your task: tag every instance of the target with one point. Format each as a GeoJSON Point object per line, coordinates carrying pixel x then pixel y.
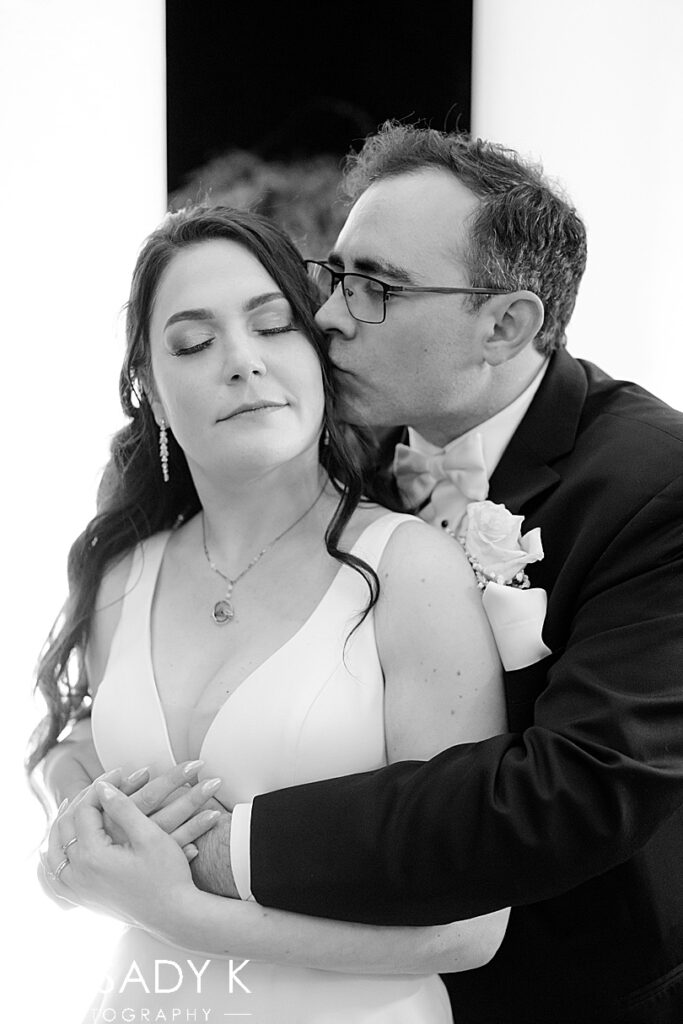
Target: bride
{"type": "Point", "coordinates": [237, 610]}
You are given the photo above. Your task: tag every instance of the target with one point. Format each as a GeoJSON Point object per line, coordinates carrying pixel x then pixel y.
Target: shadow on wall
{"type": "Point", "coordinates": [302, 195]}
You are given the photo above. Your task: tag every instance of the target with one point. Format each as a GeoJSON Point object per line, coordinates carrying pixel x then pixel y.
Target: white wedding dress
{"type": "Point", "coordinates": [312, 710]}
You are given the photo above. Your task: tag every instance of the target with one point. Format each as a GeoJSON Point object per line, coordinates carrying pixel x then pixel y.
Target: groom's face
{"type": "Point", "coordinates": [424, 365]}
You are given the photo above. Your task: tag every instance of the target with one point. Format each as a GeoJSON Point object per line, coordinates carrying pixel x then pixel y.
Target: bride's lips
{"type": "Point", "coordinates": [251, 407]}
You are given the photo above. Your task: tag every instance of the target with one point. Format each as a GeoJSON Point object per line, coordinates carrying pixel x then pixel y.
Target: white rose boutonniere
{"type": "Point", "coordinates": [499, 555]}
{"type": "Point", "coordinates": [495, 547]}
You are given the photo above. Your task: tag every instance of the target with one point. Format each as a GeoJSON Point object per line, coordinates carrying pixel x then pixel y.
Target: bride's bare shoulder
{"type": "Point", "coordinates": [418, 554]}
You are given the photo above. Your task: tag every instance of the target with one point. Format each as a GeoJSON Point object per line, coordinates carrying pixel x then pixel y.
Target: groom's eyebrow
{"type": "Point", "coordinates": [376, 268]}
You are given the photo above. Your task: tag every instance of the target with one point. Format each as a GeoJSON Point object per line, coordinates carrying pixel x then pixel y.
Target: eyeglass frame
{"type": "Point", "coordinates": [388, 289]}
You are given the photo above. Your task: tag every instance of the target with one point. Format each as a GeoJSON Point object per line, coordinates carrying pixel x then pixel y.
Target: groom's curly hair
{"type": "Point", "coordinates": [525, 233]}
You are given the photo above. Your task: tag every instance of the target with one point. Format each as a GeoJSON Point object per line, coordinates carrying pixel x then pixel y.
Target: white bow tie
{"type": "Point", "coordinates": [451, 479]}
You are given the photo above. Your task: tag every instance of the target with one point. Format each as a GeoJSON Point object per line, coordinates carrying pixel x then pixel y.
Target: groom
{"type": "Point", "coordinates": [575, 816]}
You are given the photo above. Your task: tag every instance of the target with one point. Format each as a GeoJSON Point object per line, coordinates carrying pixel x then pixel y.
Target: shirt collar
{"type": "Point", "coordinates": [496, 432]}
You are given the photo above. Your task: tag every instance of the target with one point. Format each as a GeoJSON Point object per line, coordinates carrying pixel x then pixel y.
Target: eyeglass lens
{"type": "Point", "coordinates": [364, 297]}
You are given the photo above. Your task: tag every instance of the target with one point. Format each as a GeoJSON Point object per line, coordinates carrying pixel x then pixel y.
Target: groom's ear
{"type": "Point", "coordinates": [513, 322]}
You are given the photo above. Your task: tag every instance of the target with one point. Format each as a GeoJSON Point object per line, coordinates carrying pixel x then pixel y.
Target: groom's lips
{"type": "Point", "coordinates": [341, 370]}
{"type": "Point", "coordinates": [344, 379]}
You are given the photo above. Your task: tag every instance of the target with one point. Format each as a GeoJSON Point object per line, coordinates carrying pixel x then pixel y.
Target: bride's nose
{"type": "Point", "coordinates": [242, 359]}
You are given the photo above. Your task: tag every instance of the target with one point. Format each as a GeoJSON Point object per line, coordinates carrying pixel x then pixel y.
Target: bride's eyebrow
{"type": "Point", "coordinates": [189, 314]}
{"type": "Point", "coordinates": [260, 300]}
{"type": "Point", "coordinates": [208, 314]}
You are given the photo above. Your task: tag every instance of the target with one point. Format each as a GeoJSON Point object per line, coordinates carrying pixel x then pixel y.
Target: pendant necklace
{"type": "Point", "coordinates": [224, 610]}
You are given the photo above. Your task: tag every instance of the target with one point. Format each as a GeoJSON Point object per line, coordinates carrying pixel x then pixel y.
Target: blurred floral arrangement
{"type": "Point", "coordinates": [302, 196]}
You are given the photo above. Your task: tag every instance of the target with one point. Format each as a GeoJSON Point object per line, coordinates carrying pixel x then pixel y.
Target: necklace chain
{"type": "Point", "coordinates": [224, 610]}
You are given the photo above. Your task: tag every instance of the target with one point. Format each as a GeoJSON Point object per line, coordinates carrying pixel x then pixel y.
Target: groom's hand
{"type": "Point", "coordinates": [211, 869]}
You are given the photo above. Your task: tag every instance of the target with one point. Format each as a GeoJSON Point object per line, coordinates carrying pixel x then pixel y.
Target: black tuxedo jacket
{"type": "Point", "coordinates": [574, 817]}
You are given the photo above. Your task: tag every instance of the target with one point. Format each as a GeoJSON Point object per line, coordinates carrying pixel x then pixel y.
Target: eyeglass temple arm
{"type": "Point", "coordinates": [447, 291]}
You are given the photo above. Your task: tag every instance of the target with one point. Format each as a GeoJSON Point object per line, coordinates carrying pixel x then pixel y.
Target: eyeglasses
{"type": "Point", "coordinates": [366, 297]}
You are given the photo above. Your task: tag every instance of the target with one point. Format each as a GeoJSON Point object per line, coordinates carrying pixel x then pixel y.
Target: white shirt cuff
{"type": "Point", "coordinates": [240, 852]}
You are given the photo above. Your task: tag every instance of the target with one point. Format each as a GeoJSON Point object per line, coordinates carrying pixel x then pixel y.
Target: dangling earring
{"type": "Point", "coordinates": [163, 450]}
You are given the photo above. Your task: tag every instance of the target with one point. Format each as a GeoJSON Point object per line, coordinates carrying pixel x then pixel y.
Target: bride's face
{"type": "Point", "coordinates": [238, 383]}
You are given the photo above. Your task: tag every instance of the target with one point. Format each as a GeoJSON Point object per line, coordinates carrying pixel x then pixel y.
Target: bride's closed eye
{"type": "Point", "coordinates": [277, 330]}
{"type": "Point", "coordinates": [270, 319]}
{"type": "Point", "coordinates": [186, 346]}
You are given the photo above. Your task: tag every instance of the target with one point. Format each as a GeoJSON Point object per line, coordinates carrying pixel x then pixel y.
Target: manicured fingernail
{"type": "Point", "coordinates": [191, 767]}
{"type": "Point", "coordinates": [191, 851]}
{"type": "Point", "coordinates": [211, 815]}
{"type": "Point", "coordinates": [62, 805]}
{"type": "Point", "coordinates": [106, 791]}
{"type": "Point", "coordinates": [210, 786]}
{"type": "Point", "coordinates": [137, 775]}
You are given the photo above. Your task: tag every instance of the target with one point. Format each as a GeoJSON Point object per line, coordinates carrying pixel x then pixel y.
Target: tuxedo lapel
{"type": "Point", "coordinates": [519, 477]}
{"type": "Point", "coordinates": [547, 432]}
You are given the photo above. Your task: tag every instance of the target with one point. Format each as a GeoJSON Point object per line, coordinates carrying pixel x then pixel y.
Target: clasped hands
{"type": "Point", "coordinates": [124, 846]}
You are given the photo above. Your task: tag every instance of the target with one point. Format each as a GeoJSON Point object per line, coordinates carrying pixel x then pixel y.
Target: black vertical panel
{"type": "Point", "coordinates": [289, 80]}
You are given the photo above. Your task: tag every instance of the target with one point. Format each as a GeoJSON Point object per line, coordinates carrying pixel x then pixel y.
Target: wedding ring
{"type": "Point", "coordinates": [65, 847]}
{"type": "Point", "coordinates": [60, 867]}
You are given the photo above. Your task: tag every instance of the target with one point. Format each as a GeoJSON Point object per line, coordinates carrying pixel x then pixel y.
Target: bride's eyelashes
{"type": "Point", "coordinates": [182, 349]}
{"type": "Point", "coordinates": [277, 330]}
{"type": "Point", "coordinates": [186, 350]}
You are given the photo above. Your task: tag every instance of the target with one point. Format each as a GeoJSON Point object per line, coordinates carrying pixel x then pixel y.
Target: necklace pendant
{"type": "Point", "coordinates": [223, 611]}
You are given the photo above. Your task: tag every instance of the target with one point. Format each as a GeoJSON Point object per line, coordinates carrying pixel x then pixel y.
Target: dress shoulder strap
{"type": "Point", "coordinates": [375, 537]}
{"type": "Point", "coordinates": [142, 578]}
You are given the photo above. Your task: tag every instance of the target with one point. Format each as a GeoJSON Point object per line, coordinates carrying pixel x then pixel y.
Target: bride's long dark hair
{"type": "Point", "coordinates": [134, 500]}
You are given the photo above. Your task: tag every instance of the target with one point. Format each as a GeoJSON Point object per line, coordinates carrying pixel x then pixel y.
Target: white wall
{"type": "Point", "coordinates": [82, 180]}
{"type": "Point", "coordinates": [594, 88]}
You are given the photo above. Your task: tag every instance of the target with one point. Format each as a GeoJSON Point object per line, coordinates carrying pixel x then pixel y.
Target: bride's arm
{"type": "Point", "coordinates": [147, 881]}
{"type": "Point", "coordinates": [443, 686]}
{"type": "Point", "coordinates": [207, 925]}
{"type": "Point", "coordinates": [72, 764]}
{"type": "Point", "coordinates": [444, 679]}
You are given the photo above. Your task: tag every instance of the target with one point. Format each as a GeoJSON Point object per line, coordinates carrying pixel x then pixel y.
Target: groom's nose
{"type": "Point", "coordinates": [334, 318]}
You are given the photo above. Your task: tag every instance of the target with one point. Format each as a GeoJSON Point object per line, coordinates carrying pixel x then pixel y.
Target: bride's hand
{"type": "Point", "coordinates": [51, 839]}
{"type": "Point", "coordinates": [184, 812]}
{"type": "Point", "coordinates": [141, 880]}
{"type": "Point", "coordinates": [172, 801]}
